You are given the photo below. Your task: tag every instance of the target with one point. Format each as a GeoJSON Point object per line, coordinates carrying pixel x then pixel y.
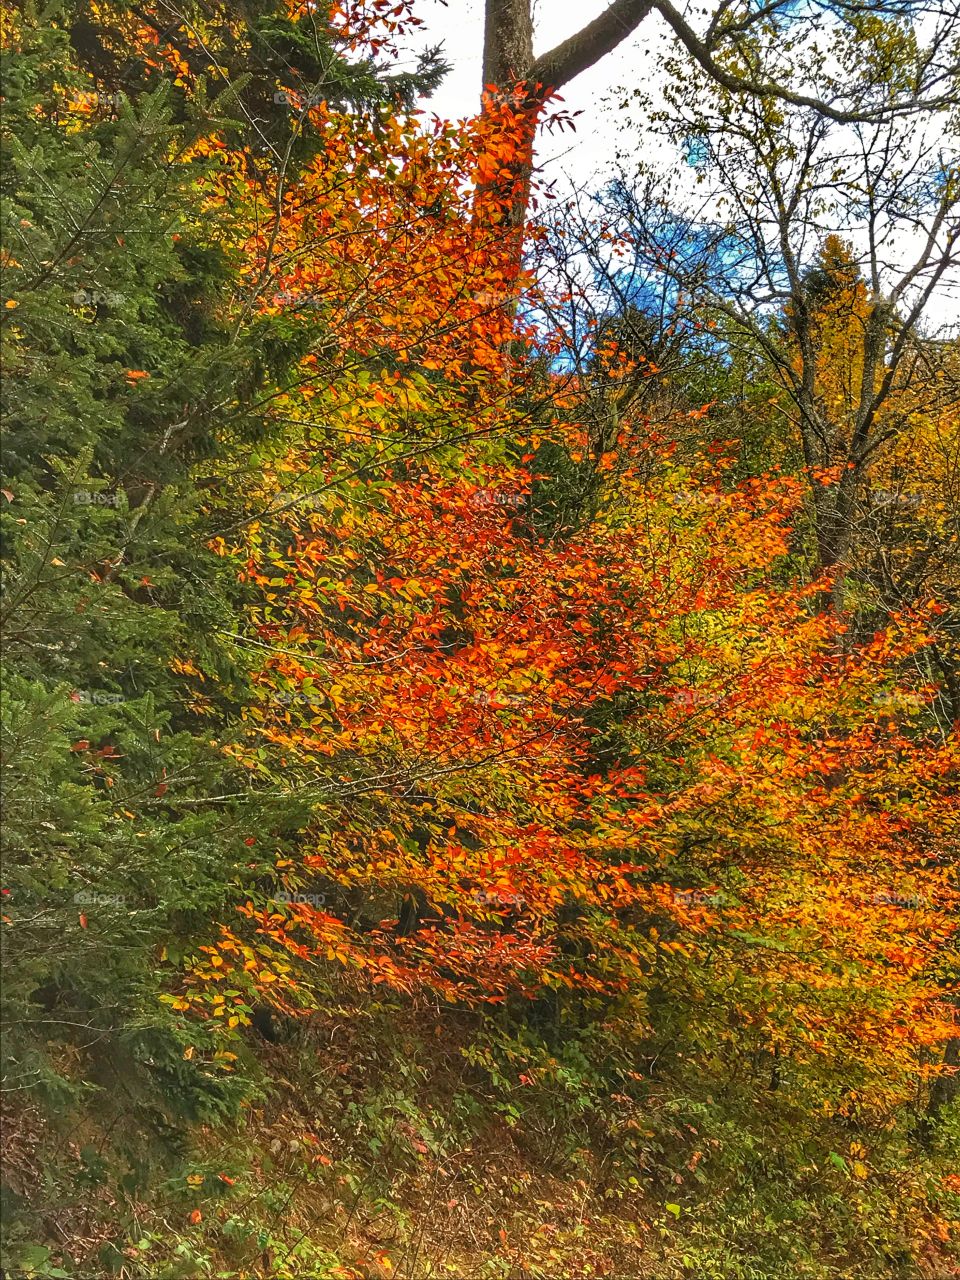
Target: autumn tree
{"type": "Point", "coordinates": [829, 242]}
{"type": "Point", "coordinates": [125, 375]}
{"type": "Point", "coordinates": [519, 771]}
{"type": "Point", "coordinates": [905, 541]}
{"type": "Point", "coordinates": [399, 671]}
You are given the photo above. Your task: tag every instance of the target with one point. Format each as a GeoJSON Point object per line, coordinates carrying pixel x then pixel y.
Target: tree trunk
{"type": "Point", "coordinates": [507, 43]}
{"type": "Point", "coordinates": [510, 68]}
{"type": "Point", "coordinates": [946, 1087]}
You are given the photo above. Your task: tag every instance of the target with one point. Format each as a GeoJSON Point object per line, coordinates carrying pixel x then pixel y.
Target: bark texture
{"type": "Point", "coordinates": [508, 63]}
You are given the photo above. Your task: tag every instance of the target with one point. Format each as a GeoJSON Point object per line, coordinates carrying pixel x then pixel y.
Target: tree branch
{"type": "Point", "coordinates": [703, 54]}
{"type": "Point", "coordinates": [592, 42]}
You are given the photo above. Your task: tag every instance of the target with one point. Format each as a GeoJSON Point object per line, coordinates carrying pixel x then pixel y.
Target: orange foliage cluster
{"type": "Point", "coordinates": [632, 754]}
